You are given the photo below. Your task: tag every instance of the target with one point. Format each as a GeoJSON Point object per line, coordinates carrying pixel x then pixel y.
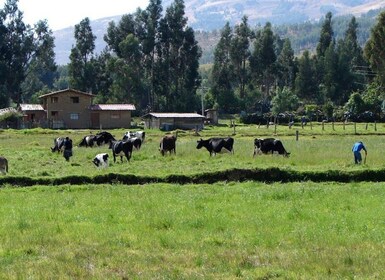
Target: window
{"type": "Point", "coordinates": [74, 116]}
{"type": "Point", "coordinates": [115, 116]}
{"type": "Point", "coordinates": [75, 99]}
{"type": "Point", "coordinates": [54, 99]}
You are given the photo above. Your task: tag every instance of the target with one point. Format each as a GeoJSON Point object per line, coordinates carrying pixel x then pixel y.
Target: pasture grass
{"type": "Point", "coordinates": [28, 152]}
{"type": "Point", "coordinates": [219, 231]}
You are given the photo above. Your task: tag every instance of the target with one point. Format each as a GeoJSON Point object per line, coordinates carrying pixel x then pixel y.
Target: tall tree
{"type": "Point", "coordinates": [326, 36]}
{"type": "Point", "coordinates": [42, 70]}
{"type": "Point", "coordinates": [178, 54]}
{"type": "Point", "coordinates": [263, 59]}
{"type": "Point", "coordinates": [223, 73]}
{"type": "Point", "coordinates": [21, 46]}
{"type": "Point", "coordinates": [286, 65]}
{"type": "Point", "coordinates": [374, 49]}
{"type": "Point", "coordinates": [305, 85]}
{"type": "Point", "coordinates": [80, 68]}
{"type": "Point", "coordinates": [240, 54]}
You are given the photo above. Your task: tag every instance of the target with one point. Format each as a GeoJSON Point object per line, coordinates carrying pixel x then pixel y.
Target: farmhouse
{"type": "Point", "coordinates": [170, 121]}
{"type": "Point", "coordinates": [71, 108]}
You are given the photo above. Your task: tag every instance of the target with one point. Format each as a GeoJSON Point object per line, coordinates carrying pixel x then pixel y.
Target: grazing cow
{"type": "Point", "coordinates": [135, 134]}
{"type": "Point", "coordinates": [3, 165]}
{"type": "Point", "coordinates": [121, 148]}
{"type": "Point", "coordinates": [101, 160]}
{"type": "Point", "coordinates": [103, 137]}
{"type": "Point", "coordinates": [269, 145]}
{"type": "Point", "coordinates": [58, 144]}
{"type": "Point", "coordinates": [136, 142]}
{"type": "Point", "coordinates": [168, 144]}
{"type": "Point", "coordinates": [99, 138]}
{"type": "Point", "coordinates": [88, 141]}
{"type": "Point", "coordinates": [217, 145]}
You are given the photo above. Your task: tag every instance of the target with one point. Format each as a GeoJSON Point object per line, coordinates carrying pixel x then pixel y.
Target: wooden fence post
{"type": "Point", "coordinates": [323, 126]}
{"type": "Point", "coordinates": [375, 125]}
{"type": "Point", "coordinates": [355, 128]}
{"type": "Point", "coordinates": [296, 135]}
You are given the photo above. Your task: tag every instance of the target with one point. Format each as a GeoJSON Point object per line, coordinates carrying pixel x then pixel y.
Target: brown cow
{"type": "Point", "coordinates": [168, 144]}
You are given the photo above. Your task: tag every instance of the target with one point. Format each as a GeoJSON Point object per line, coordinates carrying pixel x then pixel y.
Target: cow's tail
{"type": "Point", "coordinates": [6, 166]}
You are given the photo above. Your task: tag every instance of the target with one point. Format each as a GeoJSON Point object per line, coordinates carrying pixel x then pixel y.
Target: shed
{"type": "Point", "coordinates": [170, 121]}
{"type": "Point", "coordinates": [212, 116]}
{"type": "Point", "coordinates": [111, 115]}
{"type": "Point", "coordinates": [32, 112]}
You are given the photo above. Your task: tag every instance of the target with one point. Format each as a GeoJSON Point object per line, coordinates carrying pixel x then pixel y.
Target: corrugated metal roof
{"type": "Point", "coordinates": [31, 107]}
{"type": "Point", "coordinates": [67, 90]}
{"type": "Point", "coordinates": [174, 115]}
{"type": "Point", "coordinates": [113, 107]}
{"type": "Point", "coordinates": [7, 110]}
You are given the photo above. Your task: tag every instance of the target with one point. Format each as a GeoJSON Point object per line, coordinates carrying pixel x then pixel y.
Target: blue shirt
{"type": "Point", "coordinates": [357, 147]}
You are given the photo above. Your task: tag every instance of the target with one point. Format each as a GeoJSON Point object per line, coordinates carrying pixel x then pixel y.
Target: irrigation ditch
{"type": "Point", "coordinates": [268, 175]}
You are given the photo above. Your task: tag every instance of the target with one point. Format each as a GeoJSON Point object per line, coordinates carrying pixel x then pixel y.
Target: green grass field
{"type": "Point", "coordinates": [221, 230]}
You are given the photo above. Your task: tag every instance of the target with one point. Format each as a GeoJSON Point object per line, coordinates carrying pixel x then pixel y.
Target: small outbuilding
{"type": "Point", "coordinates": [33, 115]}
{"type": "Point", "coordinates": [109, 116]}
{"type": "Point", "coordinates": [170, 121]}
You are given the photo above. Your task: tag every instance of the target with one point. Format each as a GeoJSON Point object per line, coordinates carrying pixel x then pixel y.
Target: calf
{"type": "Point", "coordinates": [269, 145]}
{"type": "Point", "coordinates": [168, 144]}
{"type": "Point", "coordinates": [217, 145]}
{"type": "Point", "coordinates": [58, 144]}
{"type": "Point", "coordinates": [101, 160]}
{"type": "Point", "coordinates": [3, 165]}
{"type": "Point", "coordinates": [121, 148]}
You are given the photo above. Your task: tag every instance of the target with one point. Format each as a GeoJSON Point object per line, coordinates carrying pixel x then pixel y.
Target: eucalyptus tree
{"type": "Point", "coordinates": [305, 82]}
{"type": "Point", "coordinates": [223, 78]}
{"type": "Point", "coordinates": [240, 54]}
{"type": "Point", "coordinates": [177, 65]}
{"type": "Point", "coordinates": [286, 66]}
{"type": "Point", "coordinates": [41, 72]}
{"type": "Point", "coordinates": [374, 49]}
{"type": "Point", "coordinates": [80, 67]}
{"type": "Point", "coordinates": [263, 61]}
{"type": "Point", "coordinates": [21, 46]}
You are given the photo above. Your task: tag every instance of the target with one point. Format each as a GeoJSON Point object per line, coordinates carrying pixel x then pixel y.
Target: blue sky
{"type": "Point", "coordinates": [65, 13]}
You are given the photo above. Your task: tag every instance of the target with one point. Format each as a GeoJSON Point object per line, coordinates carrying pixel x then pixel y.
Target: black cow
{"type": "Point", "coordinates": [215, 145]}
{"type": "Point", "coordinates": [168, 144]}
{"type": "Point", "coordinates": [58, 144]}
{"type": "Point", "coordinates": [269, 145]}
{"type": "Point", "coordinates": [121, 148]}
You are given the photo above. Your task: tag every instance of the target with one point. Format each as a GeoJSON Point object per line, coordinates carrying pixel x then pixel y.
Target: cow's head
{"type": "Point", "coordinates": [258, 143]}
{"type": "Point", "coordinates": [200, 143]}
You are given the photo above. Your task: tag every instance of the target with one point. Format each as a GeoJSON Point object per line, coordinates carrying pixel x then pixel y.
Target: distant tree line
{"type": "Point", "coordinates": [256, 71]}
{"type": "Point", "coordinates": [152, 60]}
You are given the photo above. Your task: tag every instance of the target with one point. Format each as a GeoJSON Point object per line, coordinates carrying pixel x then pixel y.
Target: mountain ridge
{"type": "Point", "coordinates": [209, 15]}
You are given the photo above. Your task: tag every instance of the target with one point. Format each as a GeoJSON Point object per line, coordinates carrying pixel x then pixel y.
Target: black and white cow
{"type": "Point", "coordinates": [135, 134]}
{"type": "Point", "coordinates": [168, 144]}
{"type": "Point", "coordinates": [101, 160]}
{"type": "Point", "coordinates": [136, 142]}
{"type": "Point", "coordinates": [88, 141]}
{"type": "Point", "coordinates": [103, 137]}
{"type": "Point", "coordinates": [269, 145]}
{"type": "Point", "coordinates": [217, 145]}
{"type": "Point", "coordinates": [58, 144]}
{"type": "Point", "coordinates": [121, 148]}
